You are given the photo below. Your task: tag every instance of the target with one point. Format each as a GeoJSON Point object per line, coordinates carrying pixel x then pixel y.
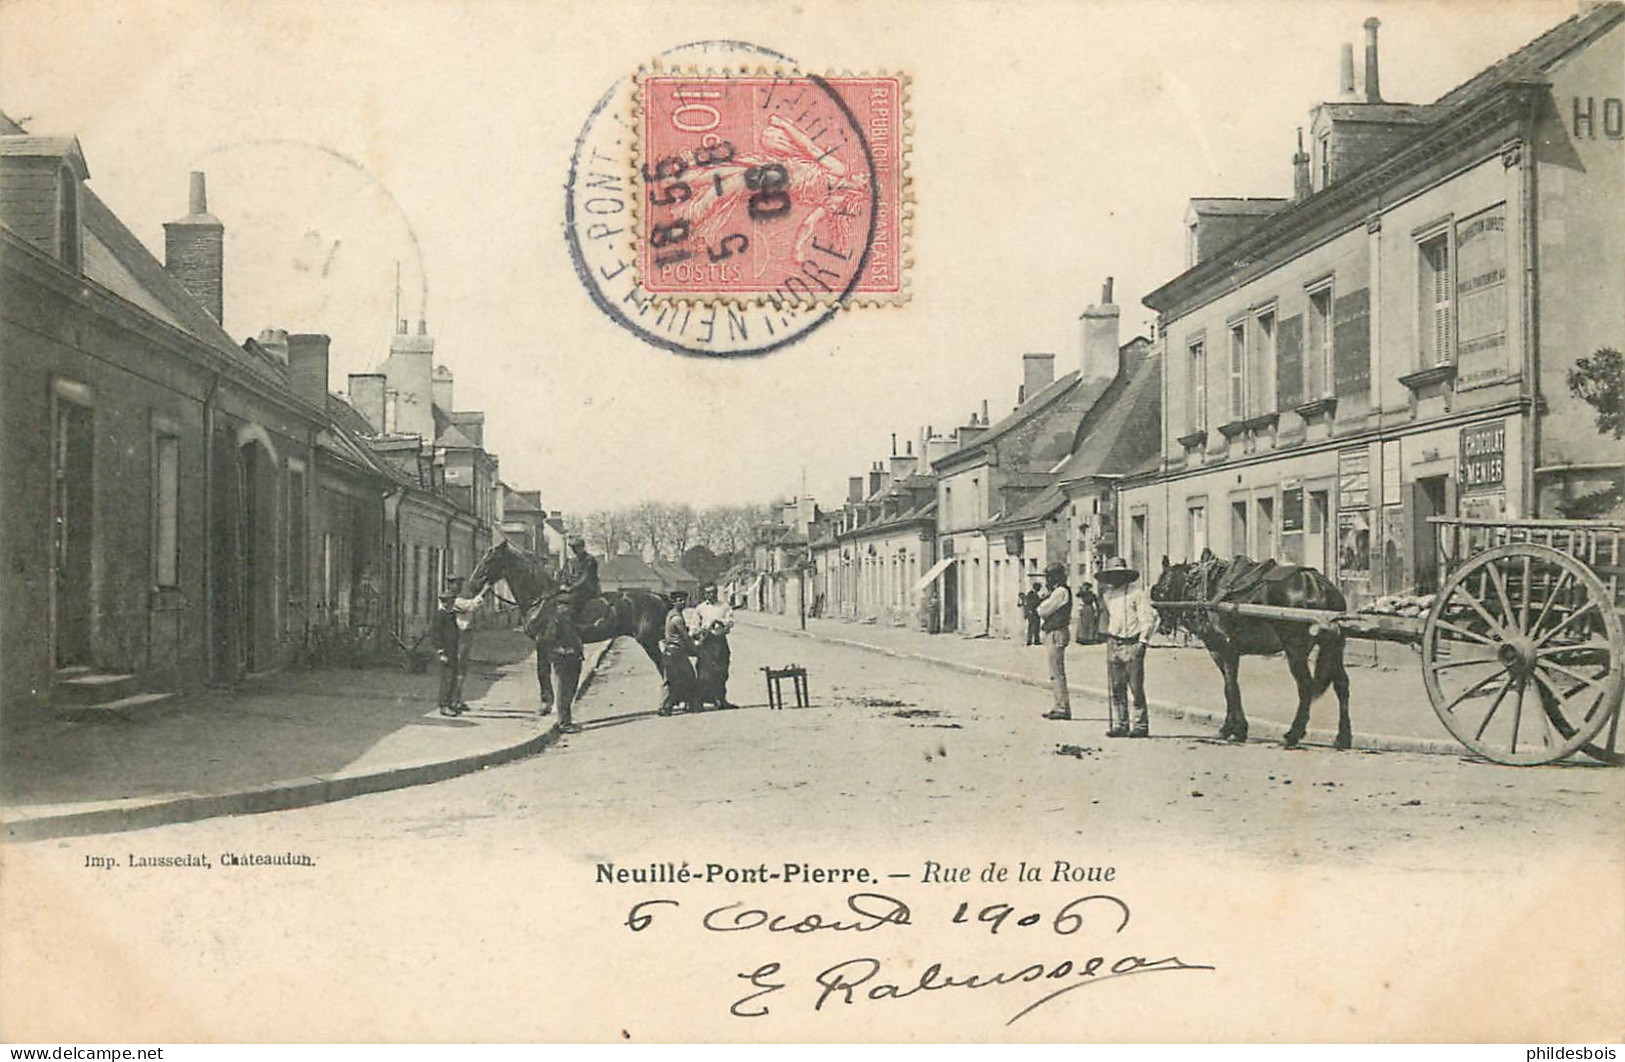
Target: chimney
{"type": "Point", "coordinates": [400, 326]}
{"type": "Point", "coordinates": [367, 396]}
{"type": "Point", "coordinates": [854, 489]}
{"type": "Point", "coordinates": [423, 327]}
{"type": "Point", "coordinates": [1099, 358]}
{"type": "Point", "coordinates": [1345, 75]}
{"type": "Point", "coordinates": [1373, 88]}
{"type": "Point", "coordinates": [194, 251]}
{"type": "Point", "coordinates": [274, 341]}
{"type": "Point", "coordinates": [875, 479]}
{"type": "Point", "coordinates": [442, 388]}
{"type": "Point", "coordinates": [307, 367]}
{"type": "Point", "coordinates": [894, 444]}
{"type": "Point", "coordinates": [1037, 373]}
{"type": "Point", "coordinates": [410, 369]}
{"type": "Point", "coordinates": [1301, 187]}
{"type": "Point", "coordinates": [902, 466]}
{"type": "Point", "coordinates": [984, 412]}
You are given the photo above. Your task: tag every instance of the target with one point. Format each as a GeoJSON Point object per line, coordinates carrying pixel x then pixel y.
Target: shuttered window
{"type": "Point", "coordinates": [1261, 366]}
{"type": "Point", "coordinates": [1434, 299]}
{"type": "Point", "coordinates": [1317, 354]}
{"type": "Point", "coordinates": [1238, 372]}
{"type": "Point", "coordinates": [1196, 391]}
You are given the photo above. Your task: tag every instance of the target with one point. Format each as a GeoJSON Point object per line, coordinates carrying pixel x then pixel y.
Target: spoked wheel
{"type": "Point", "coordinates": [1521, 654]}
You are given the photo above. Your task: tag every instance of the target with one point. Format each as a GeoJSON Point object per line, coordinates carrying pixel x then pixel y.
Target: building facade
{"type": "Point", "coordinates": [1392, 344]}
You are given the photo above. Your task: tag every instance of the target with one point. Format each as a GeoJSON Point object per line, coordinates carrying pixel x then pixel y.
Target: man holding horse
{"type": "Point", "coordinates": [678, 681]}
{"type": "Point", "coordinates": [1129, 623]}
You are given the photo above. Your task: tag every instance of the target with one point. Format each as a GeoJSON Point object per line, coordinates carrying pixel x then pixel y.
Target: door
{"type": "Point", "coordinates": [247, 554]}
{"type": "Point", "coordinates": [72, 531]}
{"type": "Point", "coordinates": [950, 598]}
{"type": "Point", "coordinates": [1430, 496]}
{"type": "Point", "coordinates": [1317, 543]}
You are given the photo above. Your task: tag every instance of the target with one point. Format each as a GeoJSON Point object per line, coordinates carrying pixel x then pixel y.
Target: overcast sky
{"type": "Point", "coordinates": [1053, 145]}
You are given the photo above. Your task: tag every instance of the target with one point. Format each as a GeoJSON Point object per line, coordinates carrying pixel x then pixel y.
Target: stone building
{"type": "Point", "coordinates": [1392, 343]}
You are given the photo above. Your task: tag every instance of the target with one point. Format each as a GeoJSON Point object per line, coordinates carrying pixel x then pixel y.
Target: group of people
{"type": "Point", "coordinates": [1124, 615]}
{"type": "Point", "coordinates": [695, 654]}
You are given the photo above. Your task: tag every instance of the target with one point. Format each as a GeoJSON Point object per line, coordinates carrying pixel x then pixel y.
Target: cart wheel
{"type": "Point", "coordinates": [1522, 656]}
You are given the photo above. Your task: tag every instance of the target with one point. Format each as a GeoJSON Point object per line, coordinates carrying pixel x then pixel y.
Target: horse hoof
{"type": "Point", "coordinates": [1343, 743]}
{"type": "Point", "coordinates": [1290, 742]}
{"type": "Point", "coordinates": [1236, 737]}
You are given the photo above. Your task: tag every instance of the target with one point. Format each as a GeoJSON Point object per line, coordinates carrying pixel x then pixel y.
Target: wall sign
{"type": "Point", "coordinates": [1483, 456]}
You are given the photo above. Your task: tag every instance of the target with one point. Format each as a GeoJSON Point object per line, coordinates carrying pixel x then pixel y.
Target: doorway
{"type": "Point", "coordinates": [72, 538]}
{"type": "Point", "coordinates": [1317, 544]}
{"type": "Point", "coordinates": [248, 473]}
{"type": "Point", "coordinates": [950, 597]}
{"type": "Point", "coordinates": [1430, 496]}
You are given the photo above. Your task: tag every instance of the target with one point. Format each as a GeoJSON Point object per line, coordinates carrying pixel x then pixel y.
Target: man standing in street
{"type": "Point", "coordinates": [676, 647]}
{"type": "Point", "coordinates": [451, 631]}
{"type": "Point", "coordinates": [1055, 617]}
{"type": "Point", "coordinates": [563, 640]}
{"type": "Point", "coordinates": [1029, 609]}
{"type": "Point", "coordinates": [1128, 621]}
{"type": "Point", "coordinates": [713, 622]}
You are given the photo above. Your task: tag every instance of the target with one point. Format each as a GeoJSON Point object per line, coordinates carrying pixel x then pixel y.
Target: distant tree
{"type": "Point", "coordinates": [604, 530]}
{"type": "Point", "coordinates": [703, 564]}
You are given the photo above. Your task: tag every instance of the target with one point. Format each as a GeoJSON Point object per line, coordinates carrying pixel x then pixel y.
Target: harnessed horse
{"type": "Point", "coordinates": [1229, 636]}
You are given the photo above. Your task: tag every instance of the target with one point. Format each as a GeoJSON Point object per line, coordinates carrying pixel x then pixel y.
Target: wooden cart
{"type": "Point", "coordinates": [1523, 650]}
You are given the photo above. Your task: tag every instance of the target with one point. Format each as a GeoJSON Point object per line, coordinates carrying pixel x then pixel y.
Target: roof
{"type": "Point", "coordinates": [1122, 431]}
{"type": "Point", "coordinates": [672, 572]}
{"type": "Point", "coordinates": [1387, 113]}
{"type": "Point", "coordinates": [926, 512]}
{"type": "Point", "coordinates": [626, 568]}
{"type": "Point", "coordinates": [1531, 61]}
{"type": "Point", "coordinates": [1219, 206]}
{"type": "Point", "coordinates": [1041, 505]}
{"type": "Point", "coordinates": [1058, 390]}
{"type": "Point", "coordinates": [27, 145]}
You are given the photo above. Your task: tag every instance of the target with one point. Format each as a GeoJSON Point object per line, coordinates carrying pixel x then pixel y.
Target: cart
{"type": "Point", "coordinates": [1523, 649]}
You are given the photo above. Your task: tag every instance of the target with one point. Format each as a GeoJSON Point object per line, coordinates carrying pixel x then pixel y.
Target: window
{"type": "Point", "coordinates": [1197, 541]}
{"type": "Point", "coordinates": [1260, 365]}
{"type": "Point", "coordinates": [1265, 546]}
{"type": "Point", "coordinates": [166, 499]}
{"type": "Point", "coordinates": [298, 532]}
{"type": "Point", "coordinates": [1196, 388]}
{"type": "Point", "coordinates": [1317, 354]}
{"type": "Point", "coordinates": [1434, 300]}
{"type": "Point", "coordinates": [1323, 147]}
{"type": "Point", "coordinates": [1238, 526]}
{"type": "Point", "coordinates": [1238, 372]}
{"type": "Point", "coordinates": [1190, 246]}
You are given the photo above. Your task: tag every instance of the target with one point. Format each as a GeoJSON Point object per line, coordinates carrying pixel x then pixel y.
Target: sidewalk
{"type": "Point", "coordinates": [279, 741]}
{"type": "Point", "coordinates": [1388, 705]}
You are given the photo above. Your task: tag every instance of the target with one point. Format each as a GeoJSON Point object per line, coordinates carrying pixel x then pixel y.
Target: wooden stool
{"type": "Point", "coordinates": [798, 677]}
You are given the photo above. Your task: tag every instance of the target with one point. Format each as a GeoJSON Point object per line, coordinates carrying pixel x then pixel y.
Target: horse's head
{"type": "Point", "coordinates": [1170, 586]}
{"type": "Point", "coordinates": [491, 566]}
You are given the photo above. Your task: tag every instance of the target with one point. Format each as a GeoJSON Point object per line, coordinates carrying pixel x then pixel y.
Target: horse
{"type": "Point", "coordinates": [1229, 636]}
{"type": "Point", "coordinates": [636, 614]}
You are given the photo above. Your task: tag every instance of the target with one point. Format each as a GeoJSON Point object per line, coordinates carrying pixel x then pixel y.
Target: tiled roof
{"type": "Point", "coordinates": [1221, 206]}
{"type": "Point", "coordinates": [1120, 432]}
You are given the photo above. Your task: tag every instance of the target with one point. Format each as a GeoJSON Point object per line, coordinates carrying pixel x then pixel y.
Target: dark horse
{"type": "Point", "coordinates": [1228, 636]}
{"type": "Point", "coordinates": [637, 614]}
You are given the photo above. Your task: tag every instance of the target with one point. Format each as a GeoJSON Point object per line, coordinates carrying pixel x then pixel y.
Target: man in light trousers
{"type": "Point", "coordinates": [1128, 622]}
{"type": "Point", "coordinates": [1055, 620]}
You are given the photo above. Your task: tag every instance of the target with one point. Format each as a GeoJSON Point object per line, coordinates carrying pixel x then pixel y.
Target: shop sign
{"type": "Point", "coordinates": [1354, 479]}
{"type": "Point", "coordinates": [1483, 456]}
{"type": "Point", "coordinates": [1291, 509]}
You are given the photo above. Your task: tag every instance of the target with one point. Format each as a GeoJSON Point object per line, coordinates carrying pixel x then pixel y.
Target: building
{"type": "Point", "coordinates": [991, 486]}
{"type": "Point", "coordinates": [628, 571]}
{"type": "Point", "coordinates": [1392, 343]}
{"type": "Point", "coordinates": [870, 564]}
{"type": "Point", "coordinates": [151, 462]}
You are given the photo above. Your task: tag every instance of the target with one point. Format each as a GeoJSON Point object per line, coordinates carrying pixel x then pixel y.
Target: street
{"type": "Point", "coordinates": [489, 894]}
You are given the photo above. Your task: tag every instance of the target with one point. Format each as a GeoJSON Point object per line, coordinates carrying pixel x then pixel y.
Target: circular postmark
{"type": "Point", "coordinates": [785, 206]}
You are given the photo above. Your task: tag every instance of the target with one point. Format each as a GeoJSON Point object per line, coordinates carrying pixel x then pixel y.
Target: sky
{"type": "Point", "coordinates": [1052, 145]}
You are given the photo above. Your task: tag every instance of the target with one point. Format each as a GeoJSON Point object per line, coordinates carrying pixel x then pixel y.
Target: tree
{"type": "Point", "coordinates": [703, 564]}
{"type": "Point", "coordinates": [1599, 381]}
{"type": "Point", "coordinates": [605, 531]}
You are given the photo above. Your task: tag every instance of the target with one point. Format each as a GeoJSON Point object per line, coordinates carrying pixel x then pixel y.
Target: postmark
{"type": "Point", "coordinates": [602, 211]}
{"type": "Point", "coordinates": [770, 188]}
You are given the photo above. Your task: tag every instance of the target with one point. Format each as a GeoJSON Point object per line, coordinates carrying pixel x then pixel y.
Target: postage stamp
{"type": "Point", "coordinates": [772, 188]}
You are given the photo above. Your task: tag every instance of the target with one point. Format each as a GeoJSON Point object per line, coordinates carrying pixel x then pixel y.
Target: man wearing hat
{"type": "Point", "coordinates": [676, 647]}
{"type": "Point", "coordinates": [579, 577]}
{"type": "Point", "coordinates": [451, 631]}
{"type": "Point", "coordinates": [1128, 620]}
{"type": "Point", "coordinates": [1055, 620]}
{"type": "Point", "coordinates": [712, 623]}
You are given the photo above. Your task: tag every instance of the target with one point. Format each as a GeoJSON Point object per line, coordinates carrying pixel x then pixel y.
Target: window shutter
{"type": "Point", "coordinates": [1289, 363]}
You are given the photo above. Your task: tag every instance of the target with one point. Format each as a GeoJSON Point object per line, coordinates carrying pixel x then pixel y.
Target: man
{"type": "Point", "coordinates": [451, 632]}
{"type": "Point", "coordinates": [1055, 618]}
{"type": "Point", "coordinates": [1029, 609]}
{"type": "Point", "coordinates": [713, 622]}
{"type": "Point", "coordinates": [565, 651]}
{"type": "Point", "coordinates": [1129, 620]}
{"type": "Point", "coordinates": [676, 646]}
{"type": "Point", "coordinates": [578, 580]}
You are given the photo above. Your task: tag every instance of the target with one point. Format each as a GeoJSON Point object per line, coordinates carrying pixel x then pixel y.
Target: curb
{"type": "Point", "coordinates": [1255, 727]}
{"type": "Point", "coordinates": [141, 813]}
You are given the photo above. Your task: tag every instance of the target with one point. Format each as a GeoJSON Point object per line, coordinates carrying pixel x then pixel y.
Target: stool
{"type": "Point", "coordinates": [798, 677]}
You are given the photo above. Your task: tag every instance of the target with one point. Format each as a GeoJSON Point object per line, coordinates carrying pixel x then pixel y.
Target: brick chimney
{"type": "Point", "coordinates": [1098, 357]}
{"type": "Point", "coordinates": [854, 489]}
{"type": "Point", "coordinates": [1345, 75]}
{"type": "Point", "coordinates": [307, 367]}
{"type": "Point", "coordinates": [442, 388]}
{"type": "Point", "coordinates": [877, 479]}
{"type": "Point", "coordinates": [274, 341]}
{"type": "Point", "coordinates": [367, 396]}
{"type": "Point", "coordinates": [903, 465]}
{"type": "Point", "coordinates": [1301, 184]}
{"type": "Point", "coordinates": [410, 369]}
{"type": "Point", "coordinates": [1373, 87]}
{"type": "Point", "coordinates": [194, 251]}
{"type": "Point", "coordinates": [1037, 373]}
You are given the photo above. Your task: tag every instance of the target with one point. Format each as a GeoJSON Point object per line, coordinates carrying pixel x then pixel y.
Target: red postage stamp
{"type": "Point", "coordinates": [779, 189]}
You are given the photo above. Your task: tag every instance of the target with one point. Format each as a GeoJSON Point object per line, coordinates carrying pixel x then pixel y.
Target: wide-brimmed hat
{"type": "Point", "coordinates": [1116, 573]}
{"type": "Point", "coordinates": [1055, 571]}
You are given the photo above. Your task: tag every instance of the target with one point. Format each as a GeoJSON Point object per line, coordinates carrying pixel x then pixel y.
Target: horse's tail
{"type": "Point", "coordinates": [1328, 663]}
